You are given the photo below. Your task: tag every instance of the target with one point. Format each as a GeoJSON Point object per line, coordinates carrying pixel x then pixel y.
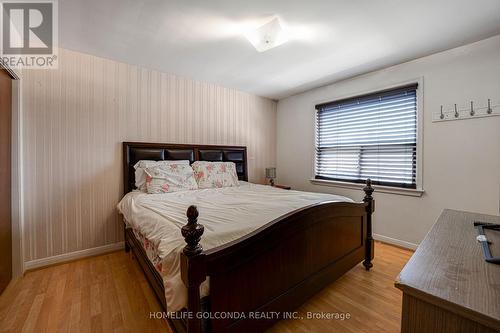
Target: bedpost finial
{"type": "Point", "coordinates": [368, 189]}
{"type": "Point", "coordinates": [192, 232]}
{"type": "Point", "coordinates": [192, 213]}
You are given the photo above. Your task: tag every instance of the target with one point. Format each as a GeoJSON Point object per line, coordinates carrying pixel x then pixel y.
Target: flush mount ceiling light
{"type": "Point", "coordinates": [268, 35]}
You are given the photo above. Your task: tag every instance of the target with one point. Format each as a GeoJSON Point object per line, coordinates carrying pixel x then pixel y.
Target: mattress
{"type": "Point", "coordinates": [226, 213]}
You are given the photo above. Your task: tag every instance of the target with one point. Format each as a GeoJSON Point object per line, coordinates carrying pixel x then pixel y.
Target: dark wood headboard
{"type": "Point", "coordinates": [136, 151]}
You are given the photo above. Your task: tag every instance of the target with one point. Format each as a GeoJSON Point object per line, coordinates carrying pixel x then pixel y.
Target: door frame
{"type": "Point", "coordinates": [16, 174]}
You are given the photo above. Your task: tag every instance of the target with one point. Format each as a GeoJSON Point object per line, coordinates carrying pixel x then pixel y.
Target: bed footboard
{"type": "Point", "coordinates": [257, 279]}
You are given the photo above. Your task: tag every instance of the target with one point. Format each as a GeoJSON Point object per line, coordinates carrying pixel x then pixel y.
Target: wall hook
{"type": "Point", "coordinates": [472, 108]}
{"type": "Point", "coordinates": [489, 111]}
{"type": "Point", "coordinates": [442, 115]}
{"type": "Point", "coordinates": [456, 111]}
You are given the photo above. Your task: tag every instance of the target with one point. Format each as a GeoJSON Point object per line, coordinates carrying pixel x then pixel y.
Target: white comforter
{"type": "Point", "coordinates": [227, 214]}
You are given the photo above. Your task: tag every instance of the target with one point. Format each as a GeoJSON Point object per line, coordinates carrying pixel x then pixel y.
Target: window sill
{"type": "Point", "coordinates": [378, 188]}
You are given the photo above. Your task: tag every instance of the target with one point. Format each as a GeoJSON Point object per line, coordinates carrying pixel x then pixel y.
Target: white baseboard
{"type": "Point", "coordinates": [72, 256]}
{"type": "Point", "coordinates": [394, 241]}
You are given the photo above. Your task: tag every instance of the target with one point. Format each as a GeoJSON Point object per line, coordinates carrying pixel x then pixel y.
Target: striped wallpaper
{"type": "Point", "coordinates": [74, 120]}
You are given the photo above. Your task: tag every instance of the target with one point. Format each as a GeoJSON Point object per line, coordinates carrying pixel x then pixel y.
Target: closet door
{"type": "Point", "coordinates": [5, 179]}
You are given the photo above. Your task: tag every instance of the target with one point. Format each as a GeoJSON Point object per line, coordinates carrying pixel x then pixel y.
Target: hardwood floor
{"type": "Point", "coordinates": [109, 293]}
{"type": "Point", "coordinates": [99, 294]}
{"type": "Point", "coordinates": [371, 299]}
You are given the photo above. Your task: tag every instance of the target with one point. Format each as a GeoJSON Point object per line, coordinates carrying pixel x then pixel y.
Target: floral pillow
{"type": "Point", "coordinates": [165, 178]}
{"type": "Point", "coordinates": [140, 175]}
{"type": "Point", "coordinates": [215, 174]}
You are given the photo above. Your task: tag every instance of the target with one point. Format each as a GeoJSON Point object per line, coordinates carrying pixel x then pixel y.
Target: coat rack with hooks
{"type": "Point", "coordinates": [470, 110]}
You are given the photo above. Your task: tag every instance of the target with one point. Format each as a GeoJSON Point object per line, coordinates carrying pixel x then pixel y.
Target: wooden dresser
{"type": "Point", "coordinates": [447, 285]}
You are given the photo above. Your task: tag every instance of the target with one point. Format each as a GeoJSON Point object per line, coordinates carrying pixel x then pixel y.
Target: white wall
{"type": "Point", "coordinates": [461, 159]}
{"type": "Point", "coordinates": [74, 121]}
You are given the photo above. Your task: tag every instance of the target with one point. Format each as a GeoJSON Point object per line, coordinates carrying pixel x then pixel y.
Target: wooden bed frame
{"type": "Point", "coordinates": [273, 269]}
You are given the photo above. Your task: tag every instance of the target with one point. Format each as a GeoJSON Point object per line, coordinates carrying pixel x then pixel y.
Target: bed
{"type": "Point", "coordinates": [220, 276]}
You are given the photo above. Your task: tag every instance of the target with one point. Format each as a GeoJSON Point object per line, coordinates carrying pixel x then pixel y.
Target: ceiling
{"type": "Point", "coordinates": [330, 40]}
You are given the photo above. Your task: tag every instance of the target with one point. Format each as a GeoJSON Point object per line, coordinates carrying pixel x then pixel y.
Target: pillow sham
{"type": "Point", "coordinates": [215, 174]}
{"type": "Point", "coordinates": [140, 175]}
{"type": "Point", "coordinates": [165, 178]}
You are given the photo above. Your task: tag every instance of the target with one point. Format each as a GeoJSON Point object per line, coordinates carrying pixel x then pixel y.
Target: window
{"type": "Point", "coordinates": [370, 136]}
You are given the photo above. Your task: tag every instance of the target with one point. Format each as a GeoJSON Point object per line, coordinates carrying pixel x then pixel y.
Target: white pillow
{"type": "Point", "coordinates": [140, 176]}
{"type": "Point", "coordinates": [165, 178]}
{"type": "Point", "coordinates": [215, 174]}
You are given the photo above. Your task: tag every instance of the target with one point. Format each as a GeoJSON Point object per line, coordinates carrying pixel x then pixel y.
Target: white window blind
{"type": "Point", "coordinates": [371, 136]}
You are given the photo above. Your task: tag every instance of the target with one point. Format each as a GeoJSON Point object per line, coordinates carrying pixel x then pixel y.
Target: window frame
{"type": "Point", "coordinates": [418, 191]}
